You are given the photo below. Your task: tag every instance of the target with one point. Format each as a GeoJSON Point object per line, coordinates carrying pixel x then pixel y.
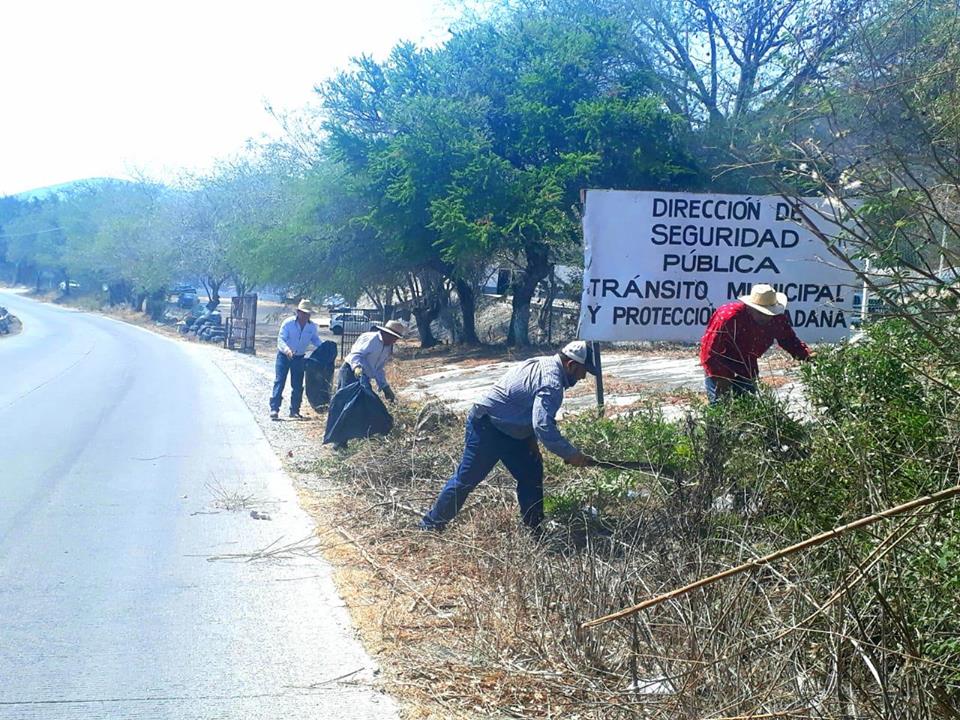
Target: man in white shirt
{"type": "Point", "coordinates": [370, 354]}
{"type": "Point", "coordinates": [297, 333]}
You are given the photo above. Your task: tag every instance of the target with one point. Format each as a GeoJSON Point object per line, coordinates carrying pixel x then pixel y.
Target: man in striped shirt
{"type": "Point", "coordinates": [297, 333]}
{"type": "Point", "coordinates": [505, 426]}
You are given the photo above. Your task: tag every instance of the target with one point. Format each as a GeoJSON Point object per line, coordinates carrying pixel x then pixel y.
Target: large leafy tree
{"type": "Point", "coordinates": [564, 110]}
{"type": "Point", "coordinates": [406, 142]}
{"type": "Point", "coordinates": [479, 149]}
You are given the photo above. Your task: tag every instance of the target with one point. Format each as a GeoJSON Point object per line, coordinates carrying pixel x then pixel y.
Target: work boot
{"type": "Point", "coordinates": [274, 415]}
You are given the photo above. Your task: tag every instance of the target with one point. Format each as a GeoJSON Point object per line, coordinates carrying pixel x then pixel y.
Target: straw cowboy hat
{"type": "Point", "coordinates": [393, 327]}
{"type": "Point", "coordinates": [306, 307]}
{"type": "Point", "coordinates": [765, 299]}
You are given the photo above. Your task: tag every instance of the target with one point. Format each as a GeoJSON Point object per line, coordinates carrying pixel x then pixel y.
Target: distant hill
{"type": "Point", "coordinates": [42, 192]}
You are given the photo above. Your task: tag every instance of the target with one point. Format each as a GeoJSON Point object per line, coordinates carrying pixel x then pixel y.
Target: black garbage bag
{"type": "Point", "coordinates": [356, 412]}
{"type": "Point", "coordinates": [318, 374]}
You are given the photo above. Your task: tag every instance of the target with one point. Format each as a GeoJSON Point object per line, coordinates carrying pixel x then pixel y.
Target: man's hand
{"type": "Point", "coordinates": [723, 384]}
{"type": "Point", "coordinates": [579, 460]}
{"type": "Point", "coordinates": [357, 372]}
{"type": "Point", "coordinates": [388, 393]}
{"type": "Point", "coordinates": [289, 353]}
{"type": "Point", "coordinates": [811, 356]}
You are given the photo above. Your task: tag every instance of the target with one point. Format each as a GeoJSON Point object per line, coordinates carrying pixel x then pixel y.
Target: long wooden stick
{"type": "Point", "coordinates": [760, 562]}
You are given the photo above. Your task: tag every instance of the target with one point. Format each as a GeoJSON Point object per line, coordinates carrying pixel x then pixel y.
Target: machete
{"type": "Point", "coordinates": [625, 465]}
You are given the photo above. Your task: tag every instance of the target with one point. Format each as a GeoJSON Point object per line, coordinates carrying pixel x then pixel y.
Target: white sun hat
{"type": "Point", "coordinates": [393, 327]}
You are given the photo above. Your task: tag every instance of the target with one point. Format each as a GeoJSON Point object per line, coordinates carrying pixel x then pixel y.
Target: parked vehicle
{"type": "Point", "coordinates": [187, 298]}
{"type": "Point", "coordinates": [351, 323]}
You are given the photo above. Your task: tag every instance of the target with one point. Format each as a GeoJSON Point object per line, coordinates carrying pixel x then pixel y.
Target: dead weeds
{"type": "Point", "coordinates": [485, 621]}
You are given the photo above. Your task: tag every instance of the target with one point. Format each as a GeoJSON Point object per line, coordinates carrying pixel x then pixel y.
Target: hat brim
{"type": "Point", "coordinates": [779, 309]}
{"type": "Point", "coordinates": [388, 331]}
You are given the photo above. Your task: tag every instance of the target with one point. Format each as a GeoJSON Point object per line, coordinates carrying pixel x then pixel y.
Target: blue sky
{"type": "Point", "coordinates": [94, 88]}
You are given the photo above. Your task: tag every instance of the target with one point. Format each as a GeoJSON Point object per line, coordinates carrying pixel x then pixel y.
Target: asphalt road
{"type": "Point", "coordinates": [127, 588]}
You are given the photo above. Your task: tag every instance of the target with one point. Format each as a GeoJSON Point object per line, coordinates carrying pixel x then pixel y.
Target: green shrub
{"type": "Point", "coordinates": [642, 435]}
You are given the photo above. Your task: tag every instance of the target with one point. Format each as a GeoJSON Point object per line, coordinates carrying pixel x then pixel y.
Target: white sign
{"type": "Point", "coordinates": [657, 264]}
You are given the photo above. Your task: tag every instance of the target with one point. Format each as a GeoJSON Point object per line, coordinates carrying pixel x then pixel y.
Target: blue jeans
{"type": "Point", "coordinates": [739, 386]}
{"type": "Point", "coordinates": [483, 446]}
{"type": "Point", "coordinates": [295, 367]}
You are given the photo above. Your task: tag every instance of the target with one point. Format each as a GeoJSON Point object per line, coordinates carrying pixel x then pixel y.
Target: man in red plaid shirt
{"type": "Point", "coordinates": [740, 332]}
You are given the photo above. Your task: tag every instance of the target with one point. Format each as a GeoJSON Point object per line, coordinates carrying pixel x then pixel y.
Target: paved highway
{"type": "Point", "coordinates": [125, 585]}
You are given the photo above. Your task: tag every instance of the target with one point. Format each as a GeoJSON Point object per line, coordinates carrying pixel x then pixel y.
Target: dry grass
{"type": "Point", "coordinates": [483, 621]}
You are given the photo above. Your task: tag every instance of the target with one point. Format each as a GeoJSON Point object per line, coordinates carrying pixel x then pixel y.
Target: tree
{"type": "Point", "coordinates": [35, 241]}
{"type": "Point", "coordinates": [406, 143]}
{"type": "Point", "coordinates": [716, 61]}
{"type": "Point", "coordinates": [565, 108]}
{"type": "Point", "coordinates": [879, 142]}
{"type": "Point", "coordinates": [116, 236]}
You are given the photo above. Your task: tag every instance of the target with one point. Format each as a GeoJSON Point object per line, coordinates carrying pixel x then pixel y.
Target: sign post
{"type": "Point", "coordinates": [599, 377]}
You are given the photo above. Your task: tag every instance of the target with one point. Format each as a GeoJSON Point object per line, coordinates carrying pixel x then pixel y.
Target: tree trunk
{"type": "Point", "coordinates": [519, 332]}
{"type": "Point", "coordinates": [425, 316]}
{"type": "Point", "coordinates": [524, 286]}
{"type": "Point", "coordinates": [156, 304]}
{"type": "Point", "coordinates": [212, 286]}
{"type": "Point", "coordinates": [542, 319]}
{"type": "Point", "coordinates": [468, 308]}
{"type": "Point", "coordinates": [118, 293]}
{"type": "Point", "coordinates": [545, 320]}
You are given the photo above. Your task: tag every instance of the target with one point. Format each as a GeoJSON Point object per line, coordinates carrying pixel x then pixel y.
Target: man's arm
{"type": "Point", "coordinates": [787, 339]}
{"type": "Point", "coordinates": [380, 373]}
{"type": "Point", "coordinates": [355, 358]}
{"type": "Point", "coordinates": [282, 339]}
{"type": "Point", "coordinates": [360, 359]}
{"type": "Point", "coordinates": [546, 403]}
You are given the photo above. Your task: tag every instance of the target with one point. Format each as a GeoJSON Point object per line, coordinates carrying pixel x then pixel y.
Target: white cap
{"type": "Point", "coordinates": [579, 351]}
